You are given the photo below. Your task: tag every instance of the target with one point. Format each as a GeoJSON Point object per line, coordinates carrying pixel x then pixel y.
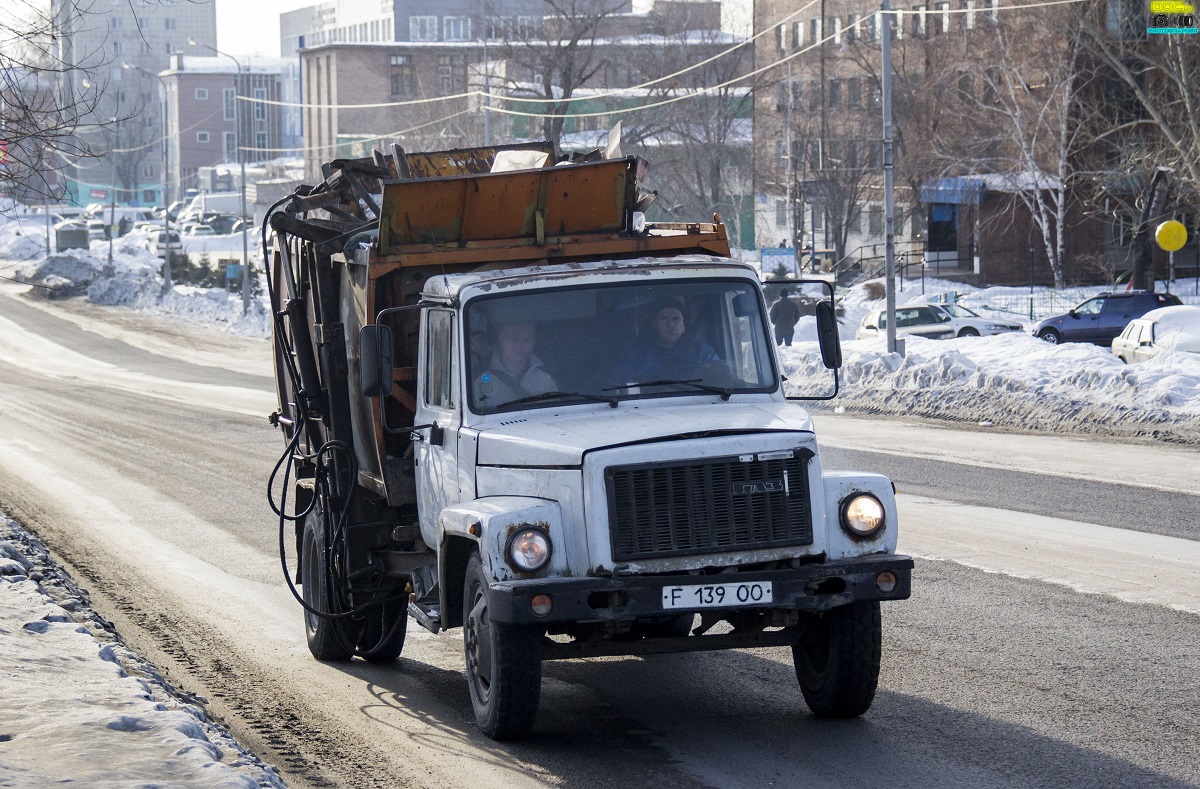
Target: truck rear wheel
{"type": "Point", "coordinates": [327, 639]}
{"type": "Point", "coordinates": [504, 663]}
{"type": "Point", "coordinates": [837, 660]}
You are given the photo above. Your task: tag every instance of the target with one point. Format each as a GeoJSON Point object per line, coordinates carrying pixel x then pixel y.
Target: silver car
{"type": "Point", "coordinates": [917, 320]}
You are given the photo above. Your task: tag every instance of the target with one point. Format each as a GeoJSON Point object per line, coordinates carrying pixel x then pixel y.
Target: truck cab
{"type": "Point", "coordinates": [570, 458]}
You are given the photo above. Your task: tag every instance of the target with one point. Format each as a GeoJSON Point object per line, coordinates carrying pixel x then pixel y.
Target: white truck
{"type": "Point", "coordinates": [514, 407]}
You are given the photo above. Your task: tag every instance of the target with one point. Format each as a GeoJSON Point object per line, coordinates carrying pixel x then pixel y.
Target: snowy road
{"type": "Point", "coordinates": [1050, 640]}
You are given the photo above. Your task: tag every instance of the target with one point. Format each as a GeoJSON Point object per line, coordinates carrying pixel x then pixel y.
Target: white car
{"type": "Point", "coordinates": [160, 242]}
{"type": "Point", "coordinates": [198, 230]}
{"type": "Point", "coordinates": [967, 323]}
{"type": "Point", "coordinates": [917, 320]}
{"type": "Point", "coordinates": [1166, 328]}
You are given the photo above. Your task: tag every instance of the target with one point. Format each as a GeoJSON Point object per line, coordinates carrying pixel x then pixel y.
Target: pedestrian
{"type": "Point", "coordinates": [784, 317]}
{"type": "Point", "coordinates": [123, 226]}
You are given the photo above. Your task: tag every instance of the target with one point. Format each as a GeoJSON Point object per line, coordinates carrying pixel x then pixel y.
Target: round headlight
{"type": "Point", "coordinates": [529, 550]}
{"type": "Point", "coordinates": [862, 515]}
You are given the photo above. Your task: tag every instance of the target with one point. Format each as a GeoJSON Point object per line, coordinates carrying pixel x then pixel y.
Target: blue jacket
{"type": "Point", "coordinates": [650, 361]}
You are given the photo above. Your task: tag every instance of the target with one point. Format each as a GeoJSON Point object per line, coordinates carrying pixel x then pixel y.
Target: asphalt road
{"type": "Point", "coordinates": [147, 475]}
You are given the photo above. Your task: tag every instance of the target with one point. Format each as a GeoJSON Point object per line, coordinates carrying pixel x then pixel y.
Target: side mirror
{"type": "Point", "coordinates": [375, 367]}
{"type": "Point", "coordinates": [1073, 313]}
{"type": "Point", "coordinates": [945, 318]}
{"type": "Point", "coordinates": [744, 304]}
{"type": "Point", "coordinates": [827, 333]}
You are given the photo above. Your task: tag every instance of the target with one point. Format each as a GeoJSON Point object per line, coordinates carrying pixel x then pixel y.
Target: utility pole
{"type": "Point", "coordinates": [237, 145]}
{"type": "Point", "coordinates": [889, 208]}
{"type": "Point", "coordinates": [790, 168]}
{"type": "Point", "coordinates": [487, 93]}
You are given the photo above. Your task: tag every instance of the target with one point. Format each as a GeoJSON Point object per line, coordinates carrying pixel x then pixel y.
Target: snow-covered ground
{"type": "Point", "coordinates": [79, 707]}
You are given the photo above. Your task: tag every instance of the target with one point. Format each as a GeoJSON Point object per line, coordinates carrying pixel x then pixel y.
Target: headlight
{"type": "Point", "coordinates": [529, 550]}
{"type": "Point", "coordinates": [862, 515]}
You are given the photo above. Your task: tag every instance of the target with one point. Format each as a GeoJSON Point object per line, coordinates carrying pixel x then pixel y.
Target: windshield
{"type": "Point", "coordinates": [615, 342]}
{"type": "Point", "coordinates": [959, 311]}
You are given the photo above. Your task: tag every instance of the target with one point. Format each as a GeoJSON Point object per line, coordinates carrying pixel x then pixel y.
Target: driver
{"type": "Point", "coordinates": [514, 371]}
{"type": "Point", "coordinates": [667, 353]}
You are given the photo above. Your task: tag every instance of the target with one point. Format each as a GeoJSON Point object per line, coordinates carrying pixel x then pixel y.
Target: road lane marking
{"type": "Point", "coordinates": [1132, 566]}
{"type": "Point", "coordinates": [28, 351]}
{"type": "Point", "coordinates": [1156, 467]}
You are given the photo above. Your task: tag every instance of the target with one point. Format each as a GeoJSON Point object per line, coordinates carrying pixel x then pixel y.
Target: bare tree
{"type": "Point", "coordinates": [44, 105]}
{"type": "Point", "coordinates": [552, 61]}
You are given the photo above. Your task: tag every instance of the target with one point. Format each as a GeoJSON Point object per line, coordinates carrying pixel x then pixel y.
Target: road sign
{"type": "Point", "coordinates": [1171, 235]}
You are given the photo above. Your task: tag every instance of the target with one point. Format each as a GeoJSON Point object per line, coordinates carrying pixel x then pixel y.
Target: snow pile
{"type": "Point", "coordinates": [1013, 380]}
{"type": "Point", "coordinates": [21, 238]}
{"type": "Point", "coordinates": [77, 706]}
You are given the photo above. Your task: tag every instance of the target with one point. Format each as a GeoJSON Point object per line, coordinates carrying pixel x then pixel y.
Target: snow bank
{"type": "Point", "coordinates": [79, 707]}
{"type": "Point", "coordinates": [1013, 380]}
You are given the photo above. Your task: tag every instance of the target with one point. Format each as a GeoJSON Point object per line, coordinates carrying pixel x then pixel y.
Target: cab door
{"type": "Point", "coordinates": [438, 403]}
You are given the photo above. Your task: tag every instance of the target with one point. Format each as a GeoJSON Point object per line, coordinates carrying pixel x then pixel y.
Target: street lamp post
{"type": "Point", "coordinates": [237, 144]}
{"type": "Point", "coordinates": [165, 199]}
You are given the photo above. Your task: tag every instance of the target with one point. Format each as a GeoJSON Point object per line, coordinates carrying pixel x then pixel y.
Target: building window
{"type": "Point", "coordinates": [797, 35]}
{"type": "Point", "coordinates": [918, 21]}
{"type": "Point", "coordinates": [230, 97]}
{"type": "Point", "coordinates": [145, 48]}
{"type": "Point", "coordinates": [814, 30]}
{"type": "Point", "coordinates": [452, 74]}
{"type": "Point", "coordinates": [260, 109]}
{"type": "Point", "coordinates": [423, 28]}
{"type": "Point", "coordinates": [871, 29]}
{"type": "Point", "coordinates": [402, 75]}
{"type": "Point", "coordinates": [456, 28]}
{"type": "Point", "coordinates": [835, 22]}
{"type": "Point", "coordinates": [169, 23]}
{"type": "Point", "coordinates": [230, 146]}
{"type": "Point", "coordinates": [944, 18]}
{"type": "Point", "coordinates": [201, 94]}
{"type": "Point", "coordinates": [781, 213]}
{"type": "Point", "coordinates": [873, 150]}
{"type": "Point", "coordinates": [814, 95]}
{"type": "Point", "coordinates": [780, 96]}
{"type": "Point", "coordinates": [118, 47]}
{"type": "Point", "coordinates": [117, 22]}
{"type": "Point", "coordinates": [780, 148]}
{"type": "Point", "coordinates": [835, 94]}
{"type": "Point", "coordinates": [874, 220]}
{"type": "Point", "coordinates": [993, 15]}
{"type": "Point", "coordinates": [149, 196]}
{"type": "Point", "coordinates": [852, 28]}
{"type": "Point", "coordinates": [260, 140]}
{"type": "Point", "coordinates": [854, 93]}
{"type": "Point", "coordinates": [202, 137]}
{"type": "Point", "coordinates": [797, 93]}
{"type": "Point", "coordinates": [855, 219]}
{"type": "Point", "coordinates": [875, 95]}
{"type": "Point", "coordinates": [780, 37]}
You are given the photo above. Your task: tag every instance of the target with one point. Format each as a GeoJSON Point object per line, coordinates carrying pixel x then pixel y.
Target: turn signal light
{"type": "Point", "coordinates": [885, 582]}
{"type": "Point", "coordinates": [541, 604]}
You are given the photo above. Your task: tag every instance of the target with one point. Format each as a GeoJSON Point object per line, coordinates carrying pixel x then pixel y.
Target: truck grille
{"type": "Point", "coordinates": [723, 504]}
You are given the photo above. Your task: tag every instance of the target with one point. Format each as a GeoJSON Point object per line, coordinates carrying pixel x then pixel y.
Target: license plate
{"type": "Point", "coordinates": [717, 595]}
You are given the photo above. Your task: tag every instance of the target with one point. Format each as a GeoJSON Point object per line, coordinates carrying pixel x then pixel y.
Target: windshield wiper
{"type": "Point", "coordinates": [612, 401]}
{"type": "Point", "coordinates": [693, 382]}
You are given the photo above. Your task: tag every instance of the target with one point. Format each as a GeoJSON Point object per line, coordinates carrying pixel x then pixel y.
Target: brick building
{"type": "Point", "coordinates": [206, 121]}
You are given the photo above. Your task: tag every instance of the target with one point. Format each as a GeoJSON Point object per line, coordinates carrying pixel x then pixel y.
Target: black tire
{"type": "Point", "coordinates": [384, 629]}
{"type": "Point", "coordinates": [1050, 335]}
{"type": "Point", "coordinates": [969, 331]}
{"type": "Point", "coordinates": [504, 664]}
{"type": "Point", "coordinates": [837, 660]}
{"type": "Point", "coordinates": [1122, 358]}
{"type": "Point", "coordinates": [326, 637]}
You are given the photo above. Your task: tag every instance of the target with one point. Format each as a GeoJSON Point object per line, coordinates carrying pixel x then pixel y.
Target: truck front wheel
{"type": "Point", "coordinates": [326, 636]}
{"type": "Point", "coordinates": [504, 663]}
{"type": "Point", "coordinates": [837, 660]}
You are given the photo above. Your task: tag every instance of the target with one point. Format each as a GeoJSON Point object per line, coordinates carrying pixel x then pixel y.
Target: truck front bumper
{"type": "Point", "coordinates": [809, 587]}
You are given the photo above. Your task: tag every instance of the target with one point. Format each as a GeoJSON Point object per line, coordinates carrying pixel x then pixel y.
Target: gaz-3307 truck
{"type": "Point", "coordinates": [513, 406]}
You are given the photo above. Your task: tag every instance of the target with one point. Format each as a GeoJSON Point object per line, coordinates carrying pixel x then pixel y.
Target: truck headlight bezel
{"type": "Point", "coordinates": [518, 554]}
{"type": "Point", "coordinates": [856, 522]}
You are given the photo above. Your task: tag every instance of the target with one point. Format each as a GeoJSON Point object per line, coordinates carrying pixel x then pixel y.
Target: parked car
{"type": "Point", "coordinates": [160, 242]}
{"type": "Point", "coordinates": [918, 320]}
{"type": "Point", "coordinates": [195, 229]}
{"type": "Point", "coordinates": [1166, 328]}
{"type": "Point", "coordinates": [1101, 318]}
{"type": "Point", "coordinates": [95, 228]}
{"type": "Point", "coordinates": [968, 323]}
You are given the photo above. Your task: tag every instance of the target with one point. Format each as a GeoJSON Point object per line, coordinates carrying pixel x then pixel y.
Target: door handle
{"type": "Point", "coordinates": [437, 434]}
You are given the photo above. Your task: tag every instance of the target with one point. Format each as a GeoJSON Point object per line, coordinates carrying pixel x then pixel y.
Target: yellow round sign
{"type": "Point", "coordinates": [1171, 235]}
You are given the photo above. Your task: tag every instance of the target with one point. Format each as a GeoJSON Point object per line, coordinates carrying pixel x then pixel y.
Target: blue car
{"type": "Point", "coordinates": [1102, 318]}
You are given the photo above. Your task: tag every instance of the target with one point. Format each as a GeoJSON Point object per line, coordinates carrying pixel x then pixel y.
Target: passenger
{"type": "Point", "coordinates": [514, 371]}
{"type": "Point", "coordinates": [667, 353]}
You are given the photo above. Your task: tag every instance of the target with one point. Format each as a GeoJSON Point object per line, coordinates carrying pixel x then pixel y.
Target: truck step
{"type": "Point", "coordinates": [427, 617]}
